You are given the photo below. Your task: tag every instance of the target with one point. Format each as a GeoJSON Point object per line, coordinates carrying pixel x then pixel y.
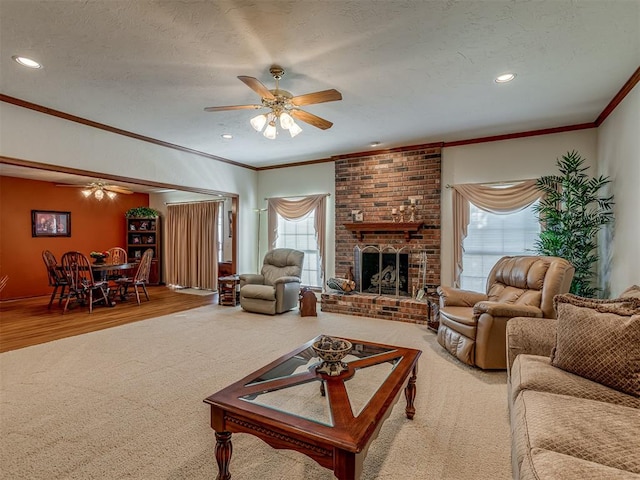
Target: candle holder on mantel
{"type": "Point", "coordinates": [412, 209]}
{"type": "Point", "coordinates": [394, 215]}
{"type": "Point", "coordinates": [401, 213]}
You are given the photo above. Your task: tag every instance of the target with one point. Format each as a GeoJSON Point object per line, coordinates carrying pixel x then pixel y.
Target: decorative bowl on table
{"type": "Point", "coordinates": [98, 257]}
{"type": "Point", "coordinates": [331, 351]}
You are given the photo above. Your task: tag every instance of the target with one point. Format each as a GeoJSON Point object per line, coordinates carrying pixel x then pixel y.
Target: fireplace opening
{"type": "Point", "coordinates": [381, 271]}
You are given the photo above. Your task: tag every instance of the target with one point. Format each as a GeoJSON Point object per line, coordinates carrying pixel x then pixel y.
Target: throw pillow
{"type": "Point", "coordinates": [599, 340]}
{"type": "Point", "coordinates": [632, 292]}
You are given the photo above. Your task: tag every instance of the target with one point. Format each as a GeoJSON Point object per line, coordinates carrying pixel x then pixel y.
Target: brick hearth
{"type": "Point", "coordinates": [401, 309]}
{"type": "Point", "coordinates": [374, 184]}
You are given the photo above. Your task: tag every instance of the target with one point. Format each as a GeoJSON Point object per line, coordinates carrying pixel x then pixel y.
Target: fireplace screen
{"type": "Point", "coordinates": [384, 271]}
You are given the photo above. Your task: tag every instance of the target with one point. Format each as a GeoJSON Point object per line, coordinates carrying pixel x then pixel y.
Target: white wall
{"type": "Point", "coordinates": [619, 159]}
{"type": "Point", "coordinates": [300, 181]}
{"type": "Point", "coordinates": [29, 135]}
{"type": "Point", "coordinates": [517, 159]}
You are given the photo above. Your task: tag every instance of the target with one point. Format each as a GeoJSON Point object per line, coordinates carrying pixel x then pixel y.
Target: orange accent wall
{"type": "Point", "coordinates": [95, 225]}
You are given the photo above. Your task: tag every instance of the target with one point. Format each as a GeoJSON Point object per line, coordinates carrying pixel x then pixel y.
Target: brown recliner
{"type": "Point", "coordinates": [473, 325]}
{"type": "Point", "coordinates": [276, 288]}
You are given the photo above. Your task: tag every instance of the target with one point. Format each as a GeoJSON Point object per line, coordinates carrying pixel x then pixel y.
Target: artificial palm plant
{"type": "Point", "coordinates": [572, 211]}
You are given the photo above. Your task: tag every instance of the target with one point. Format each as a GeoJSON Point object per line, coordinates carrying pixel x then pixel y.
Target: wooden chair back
{"type": "Point", "coordinates": [55, 274]}
{"type": "Point", "coordinates": [117, 255]}
{"type": "Point", "coordinates": [3, 281]}
{"type": "Point", "coordinates": [142, 275]}
{"type": "Point", "coordinates": [77, 268]}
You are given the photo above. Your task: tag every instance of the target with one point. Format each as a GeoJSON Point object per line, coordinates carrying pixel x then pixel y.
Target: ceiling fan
{"type": "Point", "coordinates": [283, 105]}
{"type": "Point", "coordinates": [99, 189]}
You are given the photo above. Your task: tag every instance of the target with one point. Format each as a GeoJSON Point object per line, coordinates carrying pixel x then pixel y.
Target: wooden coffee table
{"type": "Point", "coordinates": [330, 419]}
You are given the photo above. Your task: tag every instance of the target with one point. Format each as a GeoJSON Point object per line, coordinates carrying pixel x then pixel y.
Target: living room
{"type": "Point", "coordinates": [35, 137]}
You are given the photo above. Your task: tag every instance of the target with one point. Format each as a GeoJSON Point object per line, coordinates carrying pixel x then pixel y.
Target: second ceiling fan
{"type": "Point", "coordinates": [284, 106]}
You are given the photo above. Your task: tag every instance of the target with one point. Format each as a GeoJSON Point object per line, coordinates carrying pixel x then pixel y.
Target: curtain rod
{"type": "Point", "coordinates": [300, 196]}
{"type": "Point", "coordinates": [501, 182]}
{"type": "Point", "coordinates": [196, 201]}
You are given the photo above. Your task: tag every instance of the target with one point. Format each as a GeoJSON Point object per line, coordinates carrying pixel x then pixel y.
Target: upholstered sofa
{"type": "Point", "coordinates": [473, 324]}
{"type": "Point", "coordinates": [574, 391]}
{"type": "Point", "coordinates": [276, 288]}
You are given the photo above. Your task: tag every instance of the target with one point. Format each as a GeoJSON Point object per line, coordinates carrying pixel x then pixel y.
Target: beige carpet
{"type": "Point", "coordinates": [126, 402]}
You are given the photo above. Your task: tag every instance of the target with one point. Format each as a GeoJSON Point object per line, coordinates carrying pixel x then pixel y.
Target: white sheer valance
{"type": "Point", "coordinates": [500, 199]}
{"type": "Point", "coordinates": [294, 210]}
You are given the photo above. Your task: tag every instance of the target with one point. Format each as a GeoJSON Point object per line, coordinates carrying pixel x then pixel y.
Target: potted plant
{"type": "Point", "coordinates": [142, 212]}
{"type": "Point", "coordinates": [572, 212]}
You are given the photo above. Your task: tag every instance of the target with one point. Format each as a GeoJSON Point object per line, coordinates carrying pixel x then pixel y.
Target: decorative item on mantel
{"type": "Point", "coordinates": [142, 212]}
{"type": "Point", "coordinates": [331, 351]}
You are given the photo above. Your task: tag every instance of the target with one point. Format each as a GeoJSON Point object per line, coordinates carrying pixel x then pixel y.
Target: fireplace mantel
{"type": "Point", "coordinates": [360, 228]}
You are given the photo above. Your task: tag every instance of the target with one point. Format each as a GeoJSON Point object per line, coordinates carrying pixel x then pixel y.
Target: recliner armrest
{"type": "Point", "coordinates": [506, 310]}
{"type": "Point", "coordinates": [456, 297]}
{"type": "Point", "coordinates": [251, 278]}
{"type": "Point", "coordinates": [288, 279]}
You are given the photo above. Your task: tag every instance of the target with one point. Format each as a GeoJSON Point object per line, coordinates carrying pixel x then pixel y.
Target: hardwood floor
{"type": "Point", "coordinates": [29, 322]}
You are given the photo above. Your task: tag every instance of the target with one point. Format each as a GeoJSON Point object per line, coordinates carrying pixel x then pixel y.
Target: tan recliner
{"type": "Point", "coordinates": [473, 325]}
{"type": "Point", "coordinates": [277, 287]}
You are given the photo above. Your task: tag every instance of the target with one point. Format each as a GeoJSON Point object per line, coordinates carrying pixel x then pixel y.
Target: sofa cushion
{"type": "Point", "coordinates": [556, 466]}
{"type": "Point", "coordinates": [593, 431]}
{"type": "Point", "coordinates": [599, 340]}
{"type": "Point", "coordinates": [533, 372]}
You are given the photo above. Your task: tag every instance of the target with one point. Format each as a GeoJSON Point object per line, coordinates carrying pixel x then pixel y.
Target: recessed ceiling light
{"type": "Point", "coordinates": [374, 144]}
{"type": "Point", "coordinates": [26, 62]}
{"type": "Point", "coordinates": [507, 77]}
{"type": "Point", "coordinates": [228, 136]}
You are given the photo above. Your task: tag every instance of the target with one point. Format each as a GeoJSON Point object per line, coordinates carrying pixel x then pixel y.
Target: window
{"type": "Point", "coordinates": [491, 237]}
{"type": "Point", "coordinates": [301, 235]}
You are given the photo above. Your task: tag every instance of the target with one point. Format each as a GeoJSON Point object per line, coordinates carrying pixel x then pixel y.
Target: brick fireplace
{"type": "Point", "coordinates": [372, 186]}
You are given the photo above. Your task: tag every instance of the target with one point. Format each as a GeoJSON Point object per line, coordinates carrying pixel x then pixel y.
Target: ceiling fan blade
{"type": "Point", "coordinates": [255, 85]}
{"type": "Point", "coordinates": [311, 119]}
{"type": "Point", "coordinates": [317, 97]}
{"type": "Point", "coordinates": [115, 188]}
{"type": "Point", "coordinates": [232, 107]}
{"type": "Point", "coordinates": [74, 186]}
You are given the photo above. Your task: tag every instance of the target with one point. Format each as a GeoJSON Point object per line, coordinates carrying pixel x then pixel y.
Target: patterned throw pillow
{"type": "Point", "coordinates": [632, 292]}
{"type": "Point", "coordinates": [599, 340]}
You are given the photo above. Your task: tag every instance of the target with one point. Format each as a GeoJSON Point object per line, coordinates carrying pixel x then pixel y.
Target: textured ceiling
{"type": "Point", "coordinates": [410, 71]}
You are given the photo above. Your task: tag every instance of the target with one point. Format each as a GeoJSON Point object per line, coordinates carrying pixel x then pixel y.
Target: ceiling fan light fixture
{"type": "Point", "coordinates": [99, 194]}
{"type": "Point", "coordinates": [87, 193]}
{"type": "Point", "coordinates": [270, 132]}
{"type": "Point", "coordinates": [112, 195]}
{"type": "Point", "coordinates": [258, 122]}
{"type": "Point", "coordinates": [286, 121]}
{"type": "Point", "coordinates": [294, 129]}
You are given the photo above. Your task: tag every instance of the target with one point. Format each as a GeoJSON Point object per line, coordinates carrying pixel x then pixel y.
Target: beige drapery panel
{"type": "Point", "coordinates": [295, 209]}
{"type": "Point", "coordinates": [498, 199]}
{"type": "Point", "coordinates": [192, 245]}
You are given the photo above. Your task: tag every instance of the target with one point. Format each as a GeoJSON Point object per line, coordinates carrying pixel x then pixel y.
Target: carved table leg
{"type": "Point", "coordinates": [322, 390]}
{"type": "Point", "coordinates": [410, 394]}
{"type": "Point", "coordinates": [223, 454]}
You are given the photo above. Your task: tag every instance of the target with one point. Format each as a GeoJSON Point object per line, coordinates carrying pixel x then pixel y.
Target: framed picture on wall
{"type": "Point", "coordinates": [49, 223]}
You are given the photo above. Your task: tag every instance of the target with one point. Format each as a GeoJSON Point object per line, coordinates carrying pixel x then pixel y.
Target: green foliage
{"type": "Point", "coordinates": [142, 212]}
{"type": "Point", "coordinates": [572, 212]}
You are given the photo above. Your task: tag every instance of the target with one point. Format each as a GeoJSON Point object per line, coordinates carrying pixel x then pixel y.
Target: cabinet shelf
{"type": "Point", "coordinates": [144, 233]}
{"type": "Point", "coordinates": [360, 228]}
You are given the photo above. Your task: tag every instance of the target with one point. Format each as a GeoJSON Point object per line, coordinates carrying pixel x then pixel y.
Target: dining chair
{"type": "Point", "coordinates": [140, 279]}
{"type": "Point", "coordinates": [57, 278]}
{"type": "Point", "coordinates": [77, 268]}
{"type": "Point", "coordinates": [117, 255]}
{"type": "Point", "coordinates": [3, 281]}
